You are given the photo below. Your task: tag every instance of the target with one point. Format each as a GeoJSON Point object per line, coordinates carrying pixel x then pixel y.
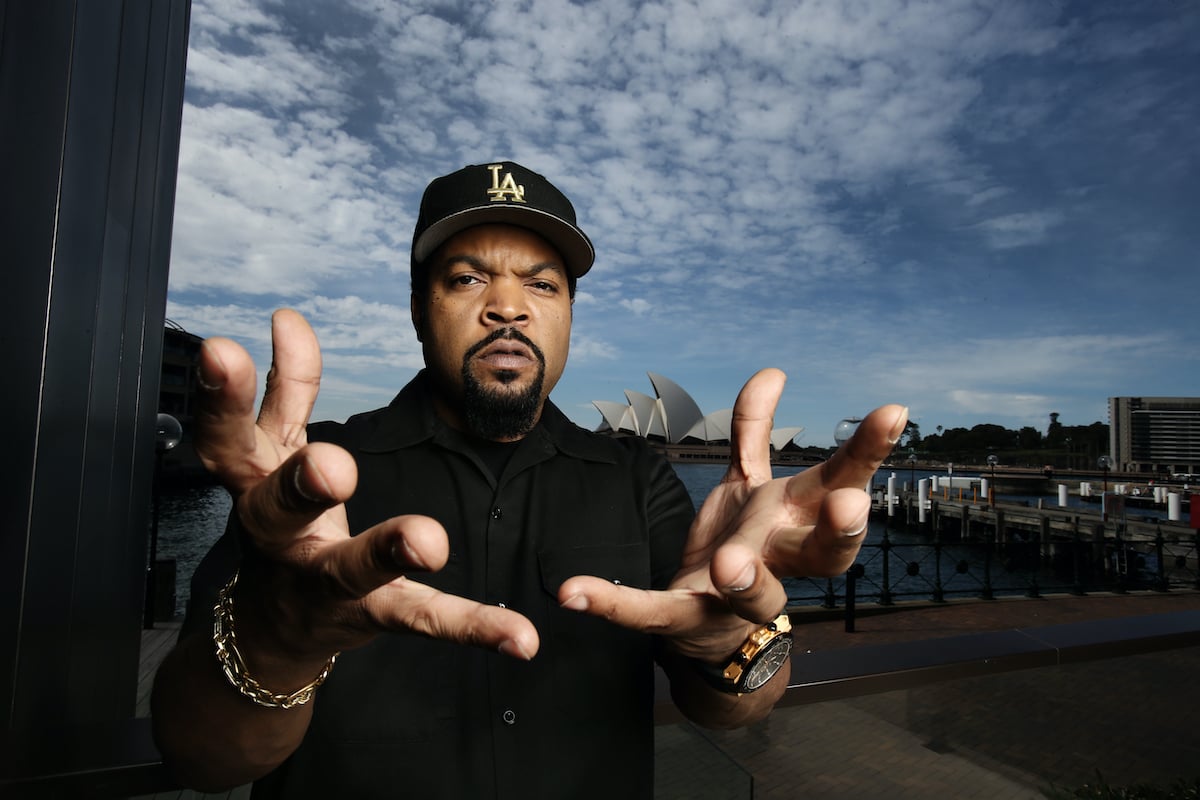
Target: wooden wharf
{"type": "Point", "coordinates": [1053, 530]}
{"type": "Point", "coordinates": [965, 516]}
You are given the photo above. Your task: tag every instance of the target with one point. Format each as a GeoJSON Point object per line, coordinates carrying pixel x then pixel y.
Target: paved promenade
{"type": "Point", "coordinates": [1010, 735]}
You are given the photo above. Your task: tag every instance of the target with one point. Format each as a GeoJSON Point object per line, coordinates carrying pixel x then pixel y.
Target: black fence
{"type": "Point", "coordinates": [905, 567]}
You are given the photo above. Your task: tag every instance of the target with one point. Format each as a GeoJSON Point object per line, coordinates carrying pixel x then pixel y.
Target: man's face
{"type": "Point", "coordinates": [495, 328]}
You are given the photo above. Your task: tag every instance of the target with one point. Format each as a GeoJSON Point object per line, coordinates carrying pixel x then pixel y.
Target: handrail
{"type": "Point", "coordinates": [870, 669]}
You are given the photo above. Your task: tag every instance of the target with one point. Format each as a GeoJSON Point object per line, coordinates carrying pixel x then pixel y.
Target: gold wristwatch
{"type": "Point", "coordinates": [757, 660]}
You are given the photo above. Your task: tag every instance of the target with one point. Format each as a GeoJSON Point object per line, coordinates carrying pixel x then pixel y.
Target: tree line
{"type": "Point", "coordinates": [1062, 446]}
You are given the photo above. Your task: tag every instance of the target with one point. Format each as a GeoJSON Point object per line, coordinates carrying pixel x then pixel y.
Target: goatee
{"type": "Point", "coordinates": [496, 413]}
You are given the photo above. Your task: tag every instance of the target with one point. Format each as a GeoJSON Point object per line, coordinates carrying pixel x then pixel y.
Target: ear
{"type": "Point", "coordinates": [417, 314]}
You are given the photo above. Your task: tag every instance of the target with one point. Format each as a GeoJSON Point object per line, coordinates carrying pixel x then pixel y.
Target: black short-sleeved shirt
{"type": "Point", "coordinates": [408, 716]}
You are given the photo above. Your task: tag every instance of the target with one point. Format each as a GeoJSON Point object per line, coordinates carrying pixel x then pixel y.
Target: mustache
{"type": "Point", "coordinates": [505, 333]}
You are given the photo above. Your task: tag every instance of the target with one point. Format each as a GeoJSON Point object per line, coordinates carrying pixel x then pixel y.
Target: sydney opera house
{"type": "Point", "coordinates": [674, 418]}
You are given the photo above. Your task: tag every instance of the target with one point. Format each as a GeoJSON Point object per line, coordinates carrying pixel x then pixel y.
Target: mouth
{"type": "Point", "coordinates": [506, 354]}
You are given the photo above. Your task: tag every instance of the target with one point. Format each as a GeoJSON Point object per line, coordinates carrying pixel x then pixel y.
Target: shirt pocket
{"type": "Point", "coordinates": [628, 564]}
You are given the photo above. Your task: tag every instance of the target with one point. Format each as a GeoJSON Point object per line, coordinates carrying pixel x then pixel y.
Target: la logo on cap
{"type": "Point", "coordinates": [506, 188]}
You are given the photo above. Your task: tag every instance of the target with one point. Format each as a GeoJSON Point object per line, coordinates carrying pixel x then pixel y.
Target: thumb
{"type": "Point", "coordinates": [753, 418]}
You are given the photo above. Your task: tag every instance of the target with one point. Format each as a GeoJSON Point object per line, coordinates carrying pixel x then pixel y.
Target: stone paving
{"type": "Point", "coordinates": [1012, 735]}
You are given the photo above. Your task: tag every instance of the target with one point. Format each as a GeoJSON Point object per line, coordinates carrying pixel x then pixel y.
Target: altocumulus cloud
{"type": "Point", "coordinates": [836, 189]}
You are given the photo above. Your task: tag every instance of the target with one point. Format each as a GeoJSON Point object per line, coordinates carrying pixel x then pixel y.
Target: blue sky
{"type": "Point", "coordinates": [987, 211]}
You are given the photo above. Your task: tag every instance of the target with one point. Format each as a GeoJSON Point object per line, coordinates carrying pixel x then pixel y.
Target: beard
{"type": "Point", "coordinates": [502, 412]}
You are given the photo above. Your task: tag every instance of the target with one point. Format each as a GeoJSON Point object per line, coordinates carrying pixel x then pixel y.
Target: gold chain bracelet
{"type": "Point", "coordinates": [234, 666]}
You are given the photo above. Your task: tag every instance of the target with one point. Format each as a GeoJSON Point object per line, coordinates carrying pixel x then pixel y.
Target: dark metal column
{"type": "Point", "coordinates": [91, 95]}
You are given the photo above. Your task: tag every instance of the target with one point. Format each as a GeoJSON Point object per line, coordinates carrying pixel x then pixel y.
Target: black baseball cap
{"type": "Point", "coordinates": [503, 192]}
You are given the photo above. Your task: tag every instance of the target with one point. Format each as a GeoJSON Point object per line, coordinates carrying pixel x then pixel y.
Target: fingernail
{"type": "Point", "coordinates": [513, 649]}
{"type": "Point", "coordinates": [405, 556]}
{"type": "Point", "coordinates": [576, 602]}
{"type": "Point", "coordinates": [898, 428]}
{"type": "Point", "coordinates": [744, 580]}
{"type": "Point", "coordinates": [208, 382]}
{"type": "Point", "coordinates": [298, 482]}
{"type": "Point", "coordinates": [858, 526]}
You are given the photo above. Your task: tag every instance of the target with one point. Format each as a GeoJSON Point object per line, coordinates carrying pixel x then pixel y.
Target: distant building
{"type": "Point", "coordinates": [1155, 434]}
{"type": "Point", "coordinates": [674, 418]}
{"type": "Point", "coordinates": [177, 389]}
{"type": "Point", "coordinates": [177, 386]}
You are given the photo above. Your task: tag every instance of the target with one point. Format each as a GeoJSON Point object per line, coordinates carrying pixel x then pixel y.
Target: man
{"type": "Point", "coordinates": [569, 561]}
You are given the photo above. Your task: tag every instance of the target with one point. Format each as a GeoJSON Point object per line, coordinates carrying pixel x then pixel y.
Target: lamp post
{"type": "Point", "coordinates": [992, 461]}
{"type": "Point", "coordinates": [912, 470]}
{"type": "Point", "coordinates": [845, 429]}
{"type": "Point", "coordinates": [167, 434]}
{"type": "Point", "coordinates": [841, 434]}
{"type": "Point", "coordinates": [1105, 464]}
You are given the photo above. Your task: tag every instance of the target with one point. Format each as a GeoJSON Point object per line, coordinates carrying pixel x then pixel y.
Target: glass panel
{"type": "Point", "coordinates": [688, 766]}
{"type": "Point", "coordinates": [1120, 721]}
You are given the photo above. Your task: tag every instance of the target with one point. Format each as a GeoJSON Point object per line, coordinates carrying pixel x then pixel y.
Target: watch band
{"type": "Point", "coordinates": [756, 661]}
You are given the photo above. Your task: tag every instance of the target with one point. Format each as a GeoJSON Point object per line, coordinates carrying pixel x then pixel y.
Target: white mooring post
{"type": "Point", "coordinates": [891, 495]}
{"type": "Point", "coordinates": [1062, 495]}
{"type": "Point", "coordinates": [1173, 506]}
{"type": "Point", "coordinates": [922, 499]}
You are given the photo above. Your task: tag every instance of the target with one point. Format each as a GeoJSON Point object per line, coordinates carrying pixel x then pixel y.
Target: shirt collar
{"type": "Point", "coordinates": [410, 419]}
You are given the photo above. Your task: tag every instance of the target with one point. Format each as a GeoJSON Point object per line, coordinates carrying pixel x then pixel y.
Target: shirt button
{"type": "Point", "coordinates": [496, 513]}
{"type": "Point", "coordinates": [509, 717]}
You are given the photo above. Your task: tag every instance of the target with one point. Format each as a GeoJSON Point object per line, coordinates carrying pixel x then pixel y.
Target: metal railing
{"type": "Point", "coordinates": [906, 566]}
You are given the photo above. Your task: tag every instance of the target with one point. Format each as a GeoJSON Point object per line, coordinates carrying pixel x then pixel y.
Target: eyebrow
{"type": "Point", "coordinates": [482, 266]}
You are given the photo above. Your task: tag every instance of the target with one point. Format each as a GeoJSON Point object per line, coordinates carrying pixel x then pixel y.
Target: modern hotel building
{"type": "Point", "coordinates": [1155, 434]}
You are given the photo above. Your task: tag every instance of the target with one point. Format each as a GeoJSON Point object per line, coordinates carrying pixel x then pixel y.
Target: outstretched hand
{"type": "Point", "coordinates": [752, 531]}
{"type": "Point", "coordinates": [307, 587]}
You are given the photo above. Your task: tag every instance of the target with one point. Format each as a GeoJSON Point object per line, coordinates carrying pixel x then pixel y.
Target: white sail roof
{"type": "Point", "coordinates": [675, 416]}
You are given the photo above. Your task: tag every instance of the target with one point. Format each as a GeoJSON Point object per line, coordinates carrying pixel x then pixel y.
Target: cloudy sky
{"type": "Point", "coordinates": [988, 211]}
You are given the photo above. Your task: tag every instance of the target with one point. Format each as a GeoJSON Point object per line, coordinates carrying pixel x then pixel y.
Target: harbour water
{"type": "Point", "coordinates": [911, 566]}
{"type": "Point", "coordinates": [193, 517]}
{"type": "Point", "coordinates": [964, 564]}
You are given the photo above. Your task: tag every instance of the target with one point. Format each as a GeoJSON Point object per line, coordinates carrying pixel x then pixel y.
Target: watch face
{"type": "Point", "coordinates": [766, 663]}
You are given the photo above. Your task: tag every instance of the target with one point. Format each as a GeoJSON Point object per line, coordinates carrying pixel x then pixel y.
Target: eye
{"type": "Point", "coordinates": [544, 286]}
{"type": "Point", "coordinates": [464, 279]}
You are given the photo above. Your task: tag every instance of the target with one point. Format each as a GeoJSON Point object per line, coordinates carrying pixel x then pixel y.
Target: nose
{"type": "Point", "coordinates": [506, 303]}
